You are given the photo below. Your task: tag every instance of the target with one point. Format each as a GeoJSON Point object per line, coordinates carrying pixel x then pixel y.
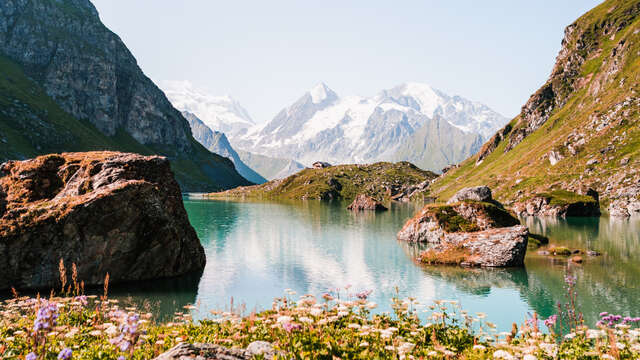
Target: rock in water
{"type": "Point", "coordinates": [107, 212]}
{"type": "Point", "coordinates": [364, 202]}
{"type": "Point", "coordinates": [478, 193]}
{"type": "Point", "coordinates": [468, 232]}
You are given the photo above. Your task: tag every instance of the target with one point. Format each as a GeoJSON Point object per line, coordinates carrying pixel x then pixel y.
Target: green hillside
{"type": "Point", "coordinates": [341, 182]}
{"type": "Point", "coordinates": [580, 130]}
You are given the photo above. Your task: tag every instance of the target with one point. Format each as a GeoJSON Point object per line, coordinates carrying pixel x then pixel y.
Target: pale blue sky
{"type": "Point", "coordinates": [266, 54]}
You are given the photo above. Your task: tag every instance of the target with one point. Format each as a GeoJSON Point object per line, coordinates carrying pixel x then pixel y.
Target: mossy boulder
{"type": "Point", "coordinates": [468, 232]}
{"type": "Point", "coordinates": [436, 220]}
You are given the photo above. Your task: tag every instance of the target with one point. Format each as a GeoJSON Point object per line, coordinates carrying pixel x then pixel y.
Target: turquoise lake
{"type": "Point", "coordinates": [256, 250]}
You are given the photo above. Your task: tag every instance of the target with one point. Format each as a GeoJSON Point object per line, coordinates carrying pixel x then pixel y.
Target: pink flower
{"type": "Point", "coordinates": [289, 326]}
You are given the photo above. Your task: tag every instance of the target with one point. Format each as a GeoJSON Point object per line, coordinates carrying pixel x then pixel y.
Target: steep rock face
{"type": "Point", "coordinates": [106, 212]}
{"type": "Point", "coordinates": [88, 70]}
{"type": "Point", "coordinates": [90, 74]}
{"type": "Point", "coordinates": [217, 143]}
{"type": "Point", "coordinates": [580, 129]}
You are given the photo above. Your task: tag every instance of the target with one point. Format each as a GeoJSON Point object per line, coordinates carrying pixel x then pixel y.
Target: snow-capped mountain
{"type": "Point", "coordinates": [219, 113]}
{"type": "Point", "coordinates": [354, 129]}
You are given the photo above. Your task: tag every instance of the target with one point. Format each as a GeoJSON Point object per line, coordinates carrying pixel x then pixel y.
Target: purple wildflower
{"type": "Point", "coordinates": [603, 314]}
{"type": "Point", "coordinates": [31, 356]}
{"type": "Point", "coordinates": [46, 317]}
{"type": "Point", "coordinates": [289, 326]}
{"type": "Point", "coordinates": [65, 354]}
{"type": "Point", "coordinates": [551, 321]}
{"type": "Point", "coordinates": [121, 357]}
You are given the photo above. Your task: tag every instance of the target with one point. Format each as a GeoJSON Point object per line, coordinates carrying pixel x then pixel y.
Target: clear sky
{"type": "Point", "coordinates": [267, 53]}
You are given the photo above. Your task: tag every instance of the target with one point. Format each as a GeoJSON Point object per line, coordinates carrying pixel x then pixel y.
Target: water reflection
{"type": "Point", "coordinates": [255, 250]}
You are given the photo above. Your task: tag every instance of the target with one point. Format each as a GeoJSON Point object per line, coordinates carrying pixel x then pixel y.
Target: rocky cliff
{"type": "Point", "coordinates": [580, 130]}
{"type": "Point", "coordinates": [65, 50]}
{"type": "Point", "coordinates": [106, 212]}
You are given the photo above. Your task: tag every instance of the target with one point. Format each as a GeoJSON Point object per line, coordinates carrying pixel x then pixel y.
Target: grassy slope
{"type": "Point", "coordinates": [525, 162]}
{"type": "Point", "coordinates": [31, 124]}
{"type": "Point", "coordinates": [338, 182]}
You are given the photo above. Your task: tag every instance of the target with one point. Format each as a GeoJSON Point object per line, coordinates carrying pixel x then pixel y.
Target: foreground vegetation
{"type": "Point", "coordinates": [339, 325]}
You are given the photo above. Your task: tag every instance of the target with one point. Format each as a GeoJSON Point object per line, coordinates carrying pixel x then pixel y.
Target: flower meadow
{"type": "Point", "coordinates": [336, 325]}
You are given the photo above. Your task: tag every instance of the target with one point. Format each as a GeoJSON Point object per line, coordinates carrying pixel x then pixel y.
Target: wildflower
{"type": "Point", "coordinates": [284, 319]}
{"type": "Point", "coordinates": [289, 326]}
{"type": "Point", "coordinates": [372, 305]}
{"type": "Point", "coordinates": [406, 347]}
{"type": "Point", "coordinates": [305, 319]}
{"type": "Point", "coordinates": [389, 348]}
{"type": "Point", "coordinates": [65, 354]}
{"type": "Point", "coordinates": [501, 354]}
{"type": "Point", "coordinates": [363, 295]}
{"type": "Point", "coordinates": [364, 344]}
{"type": "Point", "coordinates": [46, 317]}
{"type": "Point", "coordinates": [342, 313]}
{"type": "Point", "coordinates": [354, 326]}
{"type": "Point", "coordinates": [316, 312]}
{"type": "Point", "coordinates": [551, 321]}
{"type": "Point", "coordinates": [479, 347]}
{"type": "Point", "coordinates": [121, 357]}
{"type": "Point", "coordinates": [529, 357]}
{"type": "Point", "coordinates": [31, 356]}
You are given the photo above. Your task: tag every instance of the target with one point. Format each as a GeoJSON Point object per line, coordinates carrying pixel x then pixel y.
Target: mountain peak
{"type": "Point", "coordinates": [320, 93]}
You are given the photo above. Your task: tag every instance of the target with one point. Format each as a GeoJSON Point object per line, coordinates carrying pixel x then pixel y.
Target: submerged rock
{"type": "Point", "coordinates": [197, 351]}
{"type": "Point", "coordinates": [469, 233]}
{"type": "Point", "coordinates": [107, 212]}
{"type": "Point", "coordinates": [364, 202]}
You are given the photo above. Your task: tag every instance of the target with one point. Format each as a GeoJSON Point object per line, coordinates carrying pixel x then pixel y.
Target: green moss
{"type": "Point", "coordinates": [564, 197]}
{"type": "Point", "coordinates": [535, 240]}
{"type": "Point", "coordinates": [449, 219]}
{"type": "Point", "coordinates": [561, 251]}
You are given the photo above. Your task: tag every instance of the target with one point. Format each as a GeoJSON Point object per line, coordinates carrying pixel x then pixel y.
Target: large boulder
{"type": "Point", "coordinates": [197, 351]}
{"type": "Point", "coordinates": [477, 193]}
{"type": "Point", "coordinates": [107, 212]}
{"type": "Point", "coordinates": [435, 221]}
{"type": "Point", "coordinates": [470, 233]}
{"type": "Point", "coordinates": [364, 202]}
{"type": "Point", "coordinates": [497, 247]}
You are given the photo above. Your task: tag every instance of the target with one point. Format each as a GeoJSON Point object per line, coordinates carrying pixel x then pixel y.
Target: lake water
{"type": "Point", "coordinates": [255, 250]}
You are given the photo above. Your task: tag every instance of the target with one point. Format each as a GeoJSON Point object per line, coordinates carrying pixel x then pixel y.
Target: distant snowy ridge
{"type": "Point", "coordinates": [320, 125]}
{"type": "Point", "coordinates": [219, 113]}
{"type": "Point", "coordinates": [411, 121]}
